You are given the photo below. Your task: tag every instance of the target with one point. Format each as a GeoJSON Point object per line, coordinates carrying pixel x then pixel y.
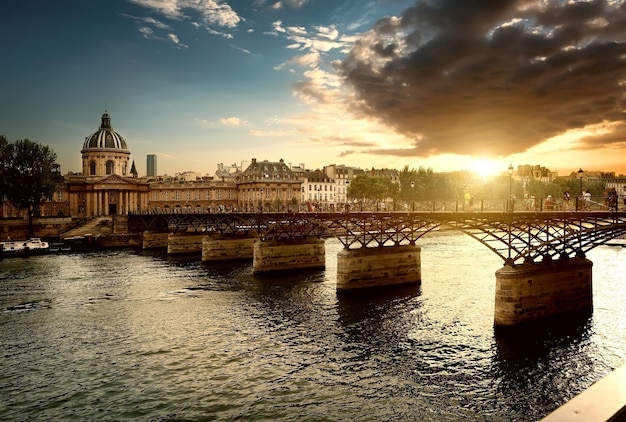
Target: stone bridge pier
{"type": "Point", "coordinates": [289, 254]}
{"type": "Point", "coordinates": [378, 267]}
{"type": "Point", "coordinates": [532, 292]}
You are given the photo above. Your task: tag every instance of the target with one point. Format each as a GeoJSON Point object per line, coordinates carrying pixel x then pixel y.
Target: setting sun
{"type": "Point", "coordinates": [486, 167]}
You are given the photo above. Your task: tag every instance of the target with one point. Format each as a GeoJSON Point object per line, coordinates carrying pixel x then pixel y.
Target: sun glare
{"type": "Point", "coordinates": [487, 168]}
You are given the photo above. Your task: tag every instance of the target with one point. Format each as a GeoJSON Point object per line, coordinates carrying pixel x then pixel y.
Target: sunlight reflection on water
{"type": "Point", "coordinates": [124, 335]}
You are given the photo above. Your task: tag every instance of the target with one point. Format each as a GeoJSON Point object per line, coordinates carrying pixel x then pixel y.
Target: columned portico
{"type": "Point", "coordinates": [110, 195]}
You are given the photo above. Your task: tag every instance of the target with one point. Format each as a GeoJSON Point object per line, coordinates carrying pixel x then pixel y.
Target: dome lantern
{"type": "Point", "coordinates": [105, 137]}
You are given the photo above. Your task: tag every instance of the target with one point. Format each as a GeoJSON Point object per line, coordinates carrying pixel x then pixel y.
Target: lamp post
{"type": "Point", "coordinates": [580, 178]}
{"type": "Point", "coordinates": [511, 206]}
{"type": "Point", "coordinates": [580, 182]}
{"type": "Point", "coordinates": [412, 195]}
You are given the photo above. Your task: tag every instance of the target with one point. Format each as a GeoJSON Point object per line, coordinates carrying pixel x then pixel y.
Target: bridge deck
{"type": "Point", "coordinates": [517, 236]}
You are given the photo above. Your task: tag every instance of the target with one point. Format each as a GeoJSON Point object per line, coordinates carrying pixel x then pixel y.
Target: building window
{"type": "Point", "coordinates": [92, 168]}
{"type": "Point", "coordinates": [110, 167]}
{"type": "Point", "coordinates": [177, 195]}
{"type": "Point", "coordinates": [188, 195]}
{"type": "Point", "coordinates": [155, 195]}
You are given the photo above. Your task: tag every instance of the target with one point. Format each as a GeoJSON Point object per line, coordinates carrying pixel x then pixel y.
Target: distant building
{"type": "Point", "coordinates": [151, 165]}
{"type": "Point", "coordinates": [318, 191]}
{"type": "Point", "coordinates": [227, 173]}
{"type": "Point", "coordinates": [528, 172]}
{"type": "Point", "coordinates": [342, 175]}
{"type": "Point", "coordinates": [265, 186]}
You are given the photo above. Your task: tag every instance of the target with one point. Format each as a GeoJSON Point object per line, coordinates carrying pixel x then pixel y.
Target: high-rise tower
{"type": "Point", "coordinates": [151, 165]}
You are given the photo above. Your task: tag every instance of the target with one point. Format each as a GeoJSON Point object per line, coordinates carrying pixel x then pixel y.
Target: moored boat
{"type": "Point", "coordinates": [83, 243]}
{"type": "Point", "coordinates": [23, 247]}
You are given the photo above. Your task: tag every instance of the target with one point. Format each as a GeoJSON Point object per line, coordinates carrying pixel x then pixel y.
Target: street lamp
{"type": "Point", "coordinates": [510, 187]}
{"type": "Point", "coordinates": [413, 195]}
{"type": "Point", "coordinates": [580, 178]}
{"type": "Point", "coordinates": [580, 181]}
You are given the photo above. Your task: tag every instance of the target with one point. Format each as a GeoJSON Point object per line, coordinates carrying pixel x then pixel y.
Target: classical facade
{"type": "Point", "coordinates": [105, 186]}
{"type": "Point", "coordinates": [319, 192]}
{"type": "Point", "coordinates": [265, 186]}
{"type": "Point", "coordinates": [177, 195]}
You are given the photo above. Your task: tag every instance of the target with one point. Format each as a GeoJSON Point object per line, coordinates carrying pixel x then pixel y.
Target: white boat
{"type": "Point", "coordinates": [24, 247]}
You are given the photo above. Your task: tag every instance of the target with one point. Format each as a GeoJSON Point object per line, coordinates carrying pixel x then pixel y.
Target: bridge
{"type": "Point", "coordinates": [545, 271]}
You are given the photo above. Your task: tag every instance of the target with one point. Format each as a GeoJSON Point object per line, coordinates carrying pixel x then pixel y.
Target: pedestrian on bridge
{"type": "Point", "coordinates": [587, 200]}
{"type": "Point", "coordinates": [566, 200]}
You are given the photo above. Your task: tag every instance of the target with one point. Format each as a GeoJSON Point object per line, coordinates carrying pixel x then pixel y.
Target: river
{"type": "Point", "coordinates": [127, 335]}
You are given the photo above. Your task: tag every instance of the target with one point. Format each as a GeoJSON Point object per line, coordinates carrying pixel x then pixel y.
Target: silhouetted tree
{"type": "Point", "coordinates": [29, 175]}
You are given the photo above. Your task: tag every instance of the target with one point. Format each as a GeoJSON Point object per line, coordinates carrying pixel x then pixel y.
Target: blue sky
{"type": "Point", "coordinates": [386, 83]}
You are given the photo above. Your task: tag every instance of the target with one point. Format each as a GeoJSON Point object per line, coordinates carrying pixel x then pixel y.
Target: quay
{"type": "Point", "coordinates": [603, 401]}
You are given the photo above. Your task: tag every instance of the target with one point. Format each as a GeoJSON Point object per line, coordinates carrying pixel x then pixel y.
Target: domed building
{"type": "Point", "coordinates": [106, 186]}
{"type": "Point", "coordinates": [105, 151]}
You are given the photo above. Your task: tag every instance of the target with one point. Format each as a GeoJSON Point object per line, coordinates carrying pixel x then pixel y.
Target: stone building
{"type": "Point", "coordinates": [105, 186]}
{"type": "Point", "coordinates": [201, 195]}
{"type": "Point", "coordinates": [265, 186]}
{"type": "Point", "coordinates": [342, 175]}
{"type": "Point", "coordinates": [319, 191]}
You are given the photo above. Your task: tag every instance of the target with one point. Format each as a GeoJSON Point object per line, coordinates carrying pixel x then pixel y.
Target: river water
{"type": "Point", "coordinates": [127, 335]}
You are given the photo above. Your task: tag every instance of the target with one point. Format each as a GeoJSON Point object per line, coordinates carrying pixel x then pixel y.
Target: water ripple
{"type": "Point", "coordinates": [120, 335]}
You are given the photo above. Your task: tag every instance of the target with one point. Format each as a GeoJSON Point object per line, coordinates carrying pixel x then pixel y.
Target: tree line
{"type": "Point", "coordinates": [423, 184]}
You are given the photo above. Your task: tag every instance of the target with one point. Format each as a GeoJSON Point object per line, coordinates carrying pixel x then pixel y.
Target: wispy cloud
{"type": "Point", "coordinates": [213, 13]}
{"type": "Point", "coordinates": [232, 121]}
{"type": "Point", "coordinates": [173, 38]}
{"type": "Point", "coordinates": [278, 5]}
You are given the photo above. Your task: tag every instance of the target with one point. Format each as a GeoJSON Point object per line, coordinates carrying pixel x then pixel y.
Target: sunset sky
{"type": "Point", "coordinates": [472, 84]}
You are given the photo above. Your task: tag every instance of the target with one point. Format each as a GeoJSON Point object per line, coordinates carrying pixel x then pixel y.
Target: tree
{"type": "Point", "coordinates": [425, 184]}
{"type": "Point", "coordinates": [365, 189]}
{"type": "Point", "coordinates": [29, 175]}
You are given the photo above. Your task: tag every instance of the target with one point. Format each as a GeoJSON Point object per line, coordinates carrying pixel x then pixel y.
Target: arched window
{"type": "Point", "coordinates": [92, 168]}
{"type": "Point", "coordinates": [110, 167]}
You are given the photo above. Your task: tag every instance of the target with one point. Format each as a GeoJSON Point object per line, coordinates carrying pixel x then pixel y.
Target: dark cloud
{"type": "Point", "coordinates": [493, 77]}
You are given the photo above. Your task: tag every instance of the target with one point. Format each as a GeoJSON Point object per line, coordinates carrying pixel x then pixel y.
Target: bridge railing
{"type": "Point", "coordinates": [528, 203]}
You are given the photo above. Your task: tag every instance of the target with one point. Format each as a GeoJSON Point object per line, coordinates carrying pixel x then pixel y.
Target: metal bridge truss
{"type": "Point", "coordinates": [514, 236]}
{"type": "Point", "coordinates": [534, 237]}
